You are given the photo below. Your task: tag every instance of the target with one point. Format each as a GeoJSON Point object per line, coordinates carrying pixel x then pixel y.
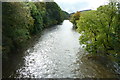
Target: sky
{"type": "Point", "coordinates": [78, 5]}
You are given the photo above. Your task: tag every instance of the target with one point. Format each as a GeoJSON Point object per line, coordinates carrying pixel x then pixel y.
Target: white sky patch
{"type": "Point", "coordinates": [96, 3]}
{"type": "Point", "coordinates": [77, 5]}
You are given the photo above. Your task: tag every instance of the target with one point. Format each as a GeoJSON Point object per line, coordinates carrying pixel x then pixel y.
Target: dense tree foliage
{"type": "Point", "coordinates": [74, 17]}
{"type": "Point", "coordinates": [53, 9]}
{"type": "Point", "coordinates": [66, 15]}
{"type": "Point", "coordinates": [21, 20]}
{"type": "Point", "coordinates": [37, 16]}
{"type": "Point", "coordinates": [17, 22]}
{"type": "Point", "coordinates": [99, 30]}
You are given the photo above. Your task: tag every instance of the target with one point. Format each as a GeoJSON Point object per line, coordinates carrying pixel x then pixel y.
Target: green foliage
{"type": "Point", "coordinates": [21, 20]}
{"type": "Point", "coordinates": [16, 22]}
{"type": "Point", "coordinates": [54, 13]}
{"type": "Point", "coordinates": [74, 18]}
{"type": "Point", "coordinates": [65, 15]}
{"type": "Point", "coordinates": [38, 21]}
{"type": "Point", "coordinates": [100, 30]}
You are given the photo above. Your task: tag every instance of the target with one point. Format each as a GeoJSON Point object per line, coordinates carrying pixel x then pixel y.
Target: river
{"type": "Point", "coordinates": [57, 54]}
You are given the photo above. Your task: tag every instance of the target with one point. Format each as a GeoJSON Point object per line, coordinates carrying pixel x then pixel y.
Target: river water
{"type": "Point", "coordinates": [57, 54]}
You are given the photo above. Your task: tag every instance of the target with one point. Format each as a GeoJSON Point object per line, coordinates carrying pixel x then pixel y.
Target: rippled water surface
{"type": "Point", "coordinates": [57, 55]}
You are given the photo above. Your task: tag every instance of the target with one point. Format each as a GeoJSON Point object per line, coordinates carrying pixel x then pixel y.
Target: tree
{"type": "Point", "coordinates": [96, 28]}
{"type": "Point", "coordinates": [37, 16]}
{"type": "Point", "coordinates": [16, 22]}
{"type": "Point", "coordinates": [52, 9]}
{"type": "Point", "coordinates": [21, 20]}
{"type": "Point", "coordinates": [75, 17]}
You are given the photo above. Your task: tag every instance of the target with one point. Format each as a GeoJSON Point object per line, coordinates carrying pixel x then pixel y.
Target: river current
{"type": "Point", "coordinates": [57, 54]}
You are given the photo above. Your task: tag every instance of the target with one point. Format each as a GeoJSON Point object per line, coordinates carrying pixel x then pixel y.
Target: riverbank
{"type": "Point", "coordinates": [44, 58]}
{"type": "Point", "coordinates": [22, 20]}
{"type": "Point", "coordinates": [101, 65]}
{"type": "Point", "coordinates": [100, 37]}
{"type": "Point", "coordinates": [15, 58]}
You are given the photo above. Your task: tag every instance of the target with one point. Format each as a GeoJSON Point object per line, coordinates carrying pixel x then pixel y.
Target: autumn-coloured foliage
{"type": "Point", "coordinates": [75, 17]}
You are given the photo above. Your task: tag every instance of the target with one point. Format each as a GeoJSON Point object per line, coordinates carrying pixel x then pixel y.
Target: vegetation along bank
{"type": "Point", "coordinates": [22, 20]}
{"type": "Point", "coordinates": [100, 30]}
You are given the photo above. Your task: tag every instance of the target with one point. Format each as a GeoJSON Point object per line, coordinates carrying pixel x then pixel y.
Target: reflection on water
{"type": "Point", "coordinates": [57, 55]}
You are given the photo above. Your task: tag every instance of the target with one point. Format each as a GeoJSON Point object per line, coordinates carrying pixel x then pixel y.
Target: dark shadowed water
{"type": "Point", "coordinates": [57, 54]}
